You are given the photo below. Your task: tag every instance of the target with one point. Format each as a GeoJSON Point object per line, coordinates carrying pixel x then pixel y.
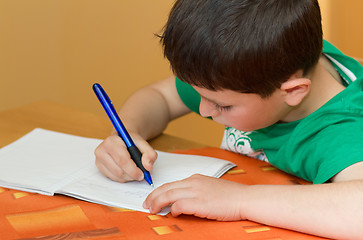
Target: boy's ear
{"type": "Point", "coordinates": [295, 88]}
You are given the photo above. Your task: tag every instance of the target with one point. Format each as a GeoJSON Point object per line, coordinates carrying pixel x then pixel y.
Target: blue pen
{"type": "Point", "coordinates": [121, 130]}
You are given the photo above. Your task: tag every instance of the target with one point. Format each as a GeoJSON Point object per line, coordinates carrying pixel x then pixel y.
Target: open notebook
{"type": "Point", "coordinates": [48, 162]}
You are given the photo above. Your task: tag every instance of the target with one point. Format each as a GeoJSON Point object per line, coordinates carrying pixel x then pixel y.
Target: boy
{"type": "Point", "coordinates": [257, 67]}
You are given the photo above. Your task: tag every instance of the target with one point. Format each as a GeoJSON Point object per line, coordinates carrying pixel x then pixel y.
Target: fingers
{"type": "Point", "coordinates": [188, 206]}
{"type": "Point", "coordinates": [168, 194]}
{"type": "Point", "coordinates": [114, 173]}
{"type": "Point", "coordinates": [197, 195]}
{"type": "Point", "coordinates": [113, 160]}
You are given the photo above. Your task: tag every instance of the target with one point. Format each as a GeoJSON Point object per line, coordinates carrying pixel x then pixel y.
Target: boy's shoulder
{"type": "Point", "coordinates": [315, 147]}
{"type": "Point", "coordinates": [348, 68]}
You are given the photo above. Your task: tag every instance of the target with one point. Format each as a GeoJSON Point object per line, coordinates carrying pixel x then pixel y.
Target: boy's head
{"type": "Point", "coordinates": [249, 46]}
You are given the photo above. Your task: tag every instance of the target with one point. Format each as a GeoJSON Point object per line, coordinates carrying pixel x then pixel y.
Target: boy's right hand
{"type": "Point", "coordinates": [114, 161]}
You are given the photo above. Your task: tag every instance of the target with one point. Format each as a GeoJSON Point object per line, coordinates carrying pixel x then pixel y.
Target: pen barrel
{"type": "Point", "coordinates": [136, 157]}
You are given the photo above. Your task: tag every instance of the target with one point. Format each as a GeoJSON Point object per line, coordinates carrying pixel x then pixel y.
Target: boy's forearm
{"type": "Point", "coordinates": [331, 210]}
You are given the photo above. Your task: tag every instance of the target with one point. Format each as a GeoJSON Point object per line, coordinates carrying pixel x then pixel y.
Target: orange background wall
{"type": "Point", "coordinates": [342, 23]}
{"type": "Point", "coordinates": [55, 50]}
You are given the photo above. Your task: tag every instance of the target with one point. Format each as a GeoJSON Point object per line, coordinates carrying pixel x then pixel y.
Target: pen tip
{"type": "Point", "coordinates": [152, 185]}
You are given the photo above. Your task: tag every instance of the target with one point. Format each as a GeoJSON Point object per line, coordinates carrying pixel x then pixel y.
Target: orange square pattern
{"type": "Point", "coordinates": [28, 215]}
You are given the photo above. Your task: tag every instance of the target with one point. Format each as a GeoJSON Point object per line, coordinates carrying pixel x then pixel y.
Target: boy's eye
{"type": "Point", "coordinates": [223, 108]}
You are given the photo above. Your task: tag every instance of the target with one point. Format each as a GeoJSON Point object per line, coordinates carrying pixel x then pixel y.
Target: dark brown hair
{"type": "Point", "coordinates": [249, 46]}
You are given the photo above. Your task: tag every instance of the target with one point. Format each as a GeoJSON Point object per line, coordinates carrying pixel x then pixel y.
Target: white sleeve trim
{"type": "Point", "coordinates": [349, 73]}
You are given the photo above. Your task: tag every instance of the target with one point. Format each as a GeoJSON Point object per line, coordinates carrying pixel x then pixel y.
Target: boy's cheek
{"type": "Point", "coordinates": [241, 123]}
{"type": "Point", "coordinates": [228, 121]}
{"type": "Point", "coordinates": [222, 121]}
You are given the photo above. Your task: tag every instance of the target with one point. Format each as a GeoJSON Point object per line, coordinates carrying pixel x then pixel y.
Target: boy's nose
{"type": "Point", "coordinates": [207, 109]}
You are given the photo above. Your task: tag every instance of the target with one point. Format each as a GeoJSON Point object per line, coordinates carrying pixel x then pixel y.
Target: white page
{"type": "Point", "coordinates": [167, 168]}
{"type": "Point", "coordinates": [46, 162]}
{"type": "Point", "coordinates": [42, 160]}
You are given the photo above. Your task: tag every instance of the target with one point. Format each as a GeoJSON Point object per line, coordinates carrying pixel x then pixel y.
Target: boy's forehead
{"type": "Point", "coordinates": [220, 97]}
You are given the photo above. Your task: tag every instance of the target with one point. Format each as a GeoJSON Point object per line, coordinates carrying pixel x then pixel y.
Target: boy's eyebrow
{"type": "Point", "coordinates": [212, 101]}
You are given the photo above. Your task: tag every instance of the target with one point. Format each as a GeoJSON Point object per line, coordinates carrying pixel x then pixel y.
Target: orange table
{"type": "Point", "coordinates": [33, 216]}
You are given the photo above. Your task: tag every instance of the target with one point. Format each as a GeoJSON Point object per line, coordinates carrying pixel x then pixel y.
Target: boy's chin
{"type": "Point", "coordinates": [244, 129]}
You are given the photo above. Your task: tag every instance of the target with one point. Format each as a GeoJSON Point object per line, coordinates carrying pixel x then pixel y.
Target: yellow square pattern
{"type": "Point", "coordinates": [163, 230]}
{"type": "Point", "coordinates": [154, 217]}
{"type": "Point", "coordinates": [237, 171]}
{"type": "Point", "coordinates": [257, 229]}
{"type": "Point", "coordinates": [20, 195]}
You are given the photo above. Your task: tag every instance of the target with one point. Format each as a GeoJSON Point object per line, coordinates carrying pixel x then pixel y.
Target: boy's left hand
{"type": "Point", "coordinates": [199, 195]}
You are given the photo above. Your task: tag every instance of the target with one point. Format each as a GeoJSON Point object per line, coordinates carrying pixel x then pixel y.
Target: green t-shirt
{"type": "Point", "coordinates": [314, 148]}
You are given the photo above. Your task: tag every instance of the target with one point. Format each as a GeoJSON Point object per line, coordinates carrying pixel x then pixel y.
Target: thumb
{"type": "Point", "coordinates": [149, 155]}
{"type": "Point", "coordinates": [148, 158]}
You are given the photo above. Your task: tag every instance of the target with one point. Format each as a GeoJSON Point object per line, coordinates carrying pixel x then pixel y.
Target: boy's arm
{"type": "Point", "coordinates": [330, 210]}
{"type": "Point", "coordinates": [145, 114]}
{"type": "Point", "coordinates": [148, 111]}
